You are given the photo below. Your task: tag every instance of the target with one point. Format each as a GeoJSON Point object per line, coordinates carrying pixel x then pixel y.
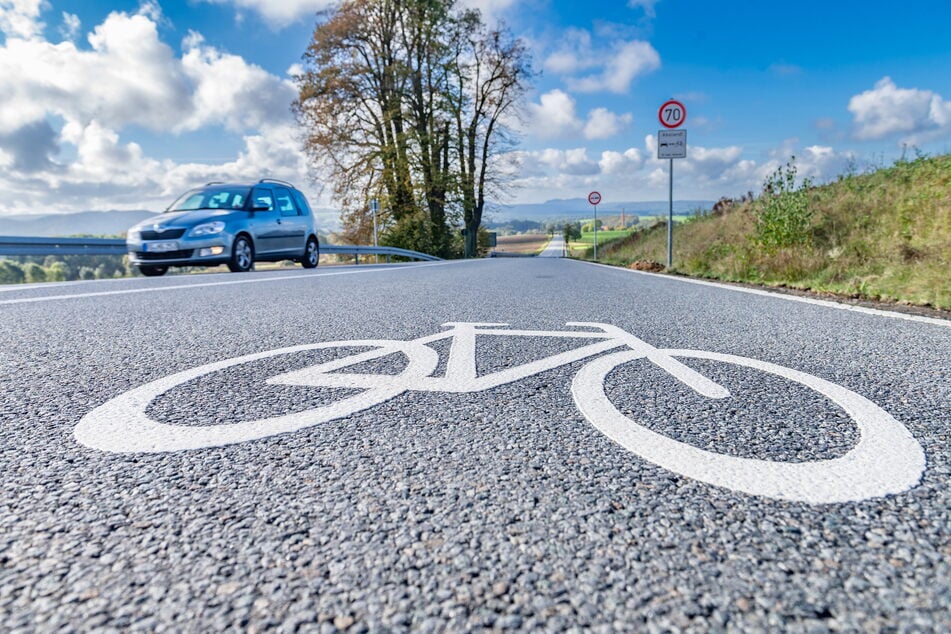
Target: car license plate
{"type": "Point", "coordinates": [160, 247]}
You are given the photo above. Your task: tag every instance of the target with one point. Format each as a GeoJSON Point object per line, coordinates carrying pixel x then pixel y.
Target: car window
{"type": "Point", "coordinates": [264, 198]}
{"type": "Point", "coordinates": [302, 205]}
{"type": "Point", "coordinates": [188, 202]}
{"type": "Point", "coordinates": [225, 199]}
{"type": "Point", "coordinates": [285, 203]}
{"type": "Point", "coordinates": [211, 198]}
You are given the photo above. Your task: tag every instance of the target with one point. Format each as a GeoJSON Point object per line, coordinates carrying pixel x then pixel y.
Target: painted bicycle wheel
{"type": "Point", "coordinates": [122, 424]}
{"type": "Point", "coordinates": [886, 460]}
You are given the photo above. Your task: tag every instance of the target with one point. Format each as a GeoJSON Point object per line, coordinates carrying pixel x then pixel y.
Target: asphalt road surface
{"type": "Point", "coordinates": [189, 454]}
{"type": "Point", "coordinates": [555, 248]}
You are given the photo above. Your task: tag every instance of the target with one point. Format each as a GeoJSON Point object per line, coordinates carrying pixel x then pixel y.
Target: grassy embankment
{"type": "Point", "coordinates": [884, 235]}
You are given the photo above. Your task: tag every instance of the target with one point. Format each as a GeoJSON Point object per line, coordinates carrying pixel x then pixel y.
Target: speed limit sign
{"type": "Point", "coordinates": [672, 114]}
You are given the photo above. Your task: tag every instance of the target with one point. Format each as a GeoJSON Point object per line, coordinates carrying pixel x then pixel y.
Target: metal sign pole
{"type": "Point", "coordinates": [595, 233]}
{"type": "Point", "coordinates": [375, 206]}
{"type": "Point", "coordinates": [671, 144]}
{"type": "Point", "coordinates": [670, 220]}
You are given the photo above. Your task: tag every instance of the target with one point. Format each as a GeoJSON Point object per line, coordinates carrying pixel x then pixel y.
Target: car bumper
{"type": "Point", "coordinates": [209, 251]}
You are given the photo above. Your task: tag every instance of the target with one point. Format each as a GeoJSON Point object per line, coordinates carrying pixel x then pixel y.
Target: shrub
{"type": "Point", "coordinates": [783, 215]}
{"type": "Point", "coordinates": [10, 273]}
{"type": "Point", "coordinates": [34, 273]}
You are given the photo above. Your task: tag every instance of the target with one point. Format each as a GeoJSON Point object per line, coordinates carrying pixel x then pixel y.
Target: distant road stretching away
{"type": "Point", "coordinates": [341, 448]}
{"type": "Point", "coordinates": [555, 248]}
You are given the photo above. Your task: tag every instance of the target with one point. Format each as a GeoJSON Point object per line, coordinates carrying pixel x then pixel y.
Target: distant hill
{"type": "Point", "coordinates": [100, 223]}
{"type": "Point", "coordinates": [575, 208]}
{"type": "Point", "coordinates": [114, 222]}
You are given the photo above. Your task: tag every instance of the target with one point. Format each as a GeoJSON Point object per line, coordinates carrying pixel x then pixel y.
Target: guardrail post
{"type": "Point", "coordinates": [356, 258]}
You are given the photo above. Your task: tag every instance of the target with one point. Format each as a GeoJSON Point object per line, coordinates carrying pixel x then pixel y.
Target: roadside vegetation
{"type": "Point", "coordinates": [884, 235]}
{"type": "Point", "coordinates": [30, 269]}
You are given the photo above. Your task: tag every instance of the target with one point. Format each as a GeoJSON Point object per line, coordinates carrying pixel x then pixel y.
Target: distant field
{"type": "Point", "coordinates": [587, 238]}
{"type": "Point", "coordinates": [603, 236]}
{"type": "Point", "coordinates": [526, 244]}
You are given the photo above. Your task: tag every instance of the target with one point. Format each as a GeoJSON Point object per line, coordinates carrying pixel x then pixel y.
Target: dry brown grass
{"type": "Point", "coordinates": [524, 244]}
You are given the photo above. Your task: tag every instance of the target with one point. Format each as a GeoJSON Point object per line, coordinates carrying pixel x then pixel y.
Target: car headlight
{"type": "Point", "coordinates": [134, 234]}
{"type": "Point", "coordinates": [208, 229]}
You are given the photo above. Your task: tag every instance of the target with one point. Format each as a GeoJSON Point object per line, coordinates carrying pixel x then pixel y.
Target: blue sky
{"type": "Point", "coordinates": [112, 105]}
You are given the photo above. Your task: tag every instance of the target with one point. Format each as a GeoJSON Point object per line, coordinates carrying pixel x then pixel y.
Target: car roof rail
{"type": "Point", "coordinates": [214, 183]}
{"type": "Point", "coordinates": [274, 180]}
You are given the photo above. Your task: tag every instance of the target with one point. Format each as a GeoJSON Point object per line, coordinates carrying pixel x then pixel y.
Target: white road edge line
{"type": "Point", "coordinates": [792, 298]}
{"type": "Point", "coordinates": [254, 280]}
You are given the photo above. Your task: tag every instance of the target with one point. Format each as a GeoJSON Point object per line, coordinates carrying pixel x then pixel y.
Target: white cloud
{"type": "Point", "coordinates": [30, 148]}
{"type": "Point", "coordinates": [600, 64]}
{"type": "Point", "coordinates": [231, 92]}
{"type": "Point", "coordinates": [555, 117]}
{"type": "Point", "coordinates": [573, 161]}
{"type": "Point", "coordinates": [151, 9]}
{"type": "Point", "coordinates": [574, 53]}
{"type": "Point", "coordinates": [887, 110]}
{"type": "Point", "coordinates": [70, 27]}
{"type": "Point", "coordinates": [280, 13]}
{"type": "Point", "coordinates": [492, 10]}
{"type": "Point", "coordinates": [64, 112]}
{"type": "Point", "coordinates": [635, 173]}
{"type": "Point", "coordinates": [604, 124]}
{"type": "Point", "coordinates": [626, 162]}
{"type": "Point", "coordinates": [646, 5]}
{"type": "Point", "coordinates": [128, 77]}
{"type": "Point", "coordinates": [21, 18]}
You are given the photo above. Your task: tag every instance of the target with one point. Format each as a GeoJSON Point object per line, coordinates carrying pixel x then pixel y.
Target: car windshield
{"type": "Point", "coordinates": [211, 198]}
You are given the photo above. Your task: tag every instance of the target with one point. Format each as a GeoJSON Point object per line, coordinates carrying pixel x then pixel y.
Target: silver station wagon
{"type": "Point", "coordinates": [227, 223]}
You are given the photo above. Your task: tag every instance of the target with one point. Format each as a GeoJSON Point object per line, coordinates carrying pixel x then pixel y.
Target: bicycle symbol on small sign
{"type": "Point", "coordinates": [886, 460]}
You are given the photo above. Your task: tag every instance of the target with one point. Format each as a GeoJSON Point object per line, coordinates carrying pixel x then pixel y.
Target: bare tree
{"type": "Point", "coordinates": [405, 100]}
{"type": "Point", "coordinates": [491, 71]}
{"type": "Point", "coordinates": [351, 105]}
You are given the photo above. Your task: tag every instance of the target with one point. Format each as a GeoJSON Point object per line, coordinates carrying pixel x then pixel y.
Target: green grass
{"type": "Point", "coordinates": [884, 235]}
{"type": "Point", "coordinates": [603, 236]}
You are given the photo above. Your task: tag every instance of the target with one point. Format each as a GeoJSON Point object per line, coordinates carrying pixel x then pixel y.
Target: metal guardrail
{"type": "Point", "coordinates": [17, 245]}
{"type": "Point", "coordinates": [357, 251]}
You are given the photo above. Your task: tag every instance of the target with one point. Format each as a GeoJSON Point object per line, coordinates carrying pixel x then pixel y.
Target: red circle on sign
{"type": "Point", "coordinates": [594, 198]}
{"type": "Point", "coordinates": [672, 114]}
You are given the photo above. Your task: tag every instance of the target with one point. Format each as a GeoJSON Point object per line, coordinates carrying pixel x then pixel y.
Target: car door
{"type": "Point", "coordinates": [265, 224]}
{"type": "Point", "coordinates": [293, 224]}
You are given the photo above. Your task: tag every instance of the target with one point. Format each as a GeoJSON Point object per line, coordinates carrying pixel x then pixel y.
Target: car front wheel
{"type": "Point", "coordinates": [311, 254]}
{"type": "Point", "coordinates": [153, 271]}
{"type": "Point", "coordinates": [242, 255]}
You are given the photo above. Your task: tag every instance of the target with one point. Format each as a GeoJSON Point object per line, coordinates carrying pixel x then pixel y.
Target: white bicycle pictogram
{"type": "Point", "coordinates": [886, 460]}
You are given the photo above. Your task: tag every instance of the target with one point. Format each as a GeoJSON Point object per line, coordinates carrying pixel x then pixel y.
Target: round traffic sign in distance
{"type": "Point", "coordinates": [672, 114]}
{"type": "Point", "coordinates": [594, 198]}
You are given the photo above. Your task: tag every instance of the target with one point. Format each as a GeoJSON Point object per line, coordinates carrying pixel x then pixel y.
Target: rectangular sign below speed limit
{"type": "Point", "coordinates": [671, 144]}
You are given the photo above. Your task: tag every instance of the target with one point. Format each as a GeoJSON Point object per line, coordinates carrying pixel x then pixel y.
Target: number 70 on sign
{"type": "Point", "coordinates": [672, 114]}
